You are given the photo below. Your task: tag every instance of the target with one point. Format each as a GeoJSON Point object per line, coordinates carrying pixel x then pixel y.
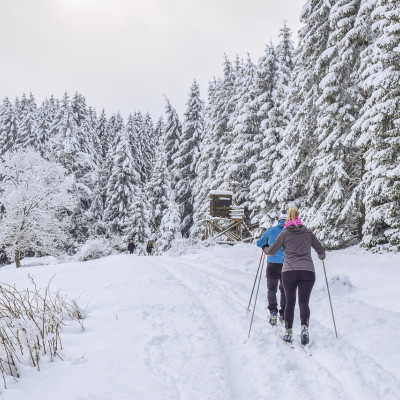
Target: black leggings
{"type": "Point", "coordinates": [291, 280]}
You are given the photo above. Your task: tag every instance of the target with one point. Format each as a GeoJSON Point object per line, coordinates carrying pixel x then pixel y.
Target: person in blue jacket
{"type": "Point", "coordinates": [274, 270]}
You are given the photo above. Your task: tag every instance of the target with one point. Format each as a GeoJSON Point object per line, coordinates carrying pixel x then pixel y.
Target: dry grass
{"type": "Point", "coordinates": [31, 322]}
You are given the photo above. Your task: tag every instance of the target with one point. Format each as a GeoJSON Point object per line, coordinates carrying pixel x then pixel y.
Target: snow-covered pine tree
{"type": "Point", "coordinates": [70, 146]}
{"type": "Point", "coordinates": [293, 170]}
{"type": "Point", "coordinates": [170, 228]}
{"type": "Point", "coordinates": [94, 139]}
{"type": "Point", "coordinates": [156, 192]}
{"type": "Point", "coordinates": [122, 189]}
{"type": "Point", "coordinates": [215, 142]}
{"type": "Point", "coordinates": [187, 156]}
{"type": "Point", "coordinates": [159, 132]}
{"type": "Point", "coordinates": [133, 130]}
{"type": "Point", "coordinates": [336, 167]}
{"type": "Point", "coordinates": [227, 96]}
{"type": "Point", "coordinates": [138, 230]}
{"type": "Point", "coordinates": [173, 133]}
{"type": "Point", "coordinates": [379, 123]}
{"type": "Point", "coordinates": [102, 132]}
{"type": "Point", "coordinates": [42, 124]}
{"type": "Point", "coordinates": [115, 127]}
{"type": "Point", "coordinates": [206, 165]}
{"type": "Point", "coordinates": [265, 142]}
{"type": "Point", "coordinates": [148, 144]}
{"type": "Point", "coordinates": [101, 175]}
{"type": "Point", "coordinates": [240, 160]}
{"type": "Point", "coordinates": [8, 126]}
{"type": "Point", "coordinates": [26, 136]}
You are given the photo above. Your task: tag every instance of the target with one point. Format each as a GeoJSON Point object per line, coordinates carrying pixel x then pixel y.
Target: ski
{"type": "Point", "coordinates": [305, 348]}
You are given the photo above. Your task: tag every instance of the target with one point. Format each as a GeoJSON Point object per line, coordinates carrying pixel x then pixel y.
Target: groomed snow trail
{"type": "Point", "coordinates": [263, 365]}
{"type": "Point", "coordinates": [174, 327]}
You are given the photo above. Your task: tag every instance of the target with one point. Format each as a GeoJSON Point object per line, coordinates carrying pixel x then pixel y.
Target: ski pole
{"type": "Point", "coordinates": [255, 301]}
{"type": "Point", "coordinates": [330, 301]}
{"type": "Point", "coordinates": [255, 280]}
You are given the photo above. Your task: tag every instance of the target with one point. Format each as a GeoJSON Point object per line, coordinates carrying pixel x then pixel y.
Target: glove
{"type": "Point", "coordinates": [265, 247]}
{"type": "Point", "coordinates": [322, 256]}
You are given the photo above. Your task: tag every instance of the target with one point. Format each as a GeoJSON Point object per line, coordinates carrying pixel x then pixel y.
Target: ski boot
{"type": "Point", "coordinates": [304, 338]}
{"type": "Point", "coordinates": [288, 336]}
{"type": "Point", "coordinates": [281, 318]}
{"type": "Point", "coordinates": [273, 318]}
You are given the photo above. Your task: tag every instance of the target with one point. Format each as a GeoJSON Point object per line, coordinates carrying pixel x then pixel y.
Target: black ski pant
{"type": "Point", "coordinates": [304, 282]}
{"type": "Point", "coordinates": [273, 282]}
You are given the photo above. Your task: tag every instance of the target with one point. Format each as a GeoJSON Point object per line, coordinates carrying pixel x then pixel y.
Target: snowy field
{"type": "Point", "coordinates": [173, 327]}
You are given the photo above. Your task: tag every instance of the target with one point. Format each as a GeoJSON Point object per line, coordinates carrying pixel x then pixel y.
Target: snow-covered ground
{"type": "Point", "coordinates": [174, 327]}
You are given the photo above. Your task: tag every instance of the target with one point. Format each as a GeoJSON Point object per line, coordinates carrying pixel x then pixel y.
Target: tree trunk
{"type": "Point", "coordinates": [17, 259]}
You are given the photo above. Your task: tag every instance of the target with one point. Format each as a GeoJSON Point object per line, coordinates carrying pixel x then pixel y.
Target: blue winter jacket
{"type": "Point", "coordinates": [269, 236]}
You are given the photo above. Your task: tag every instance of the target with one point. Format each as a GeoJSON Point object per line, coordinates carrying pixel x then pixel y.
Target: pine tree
{"type": "Point", "coordinates": [336, 163]}
{"type": "Point", "coordinates": [159, 132]}
{"type": "Point", "coordinates": [170, 228]}
{"type": "Point", "coordinates": [8, 126]}
{"type": "Point", "coordinates": [293, 170]}
{"type": "Point", "coordinates": [122, 189]}
{"type": "Point", "coordinates": [148, 144]}
{"type": "Point", "coordinates": [133, 130]}
{"type": "Point", "coordinates": [206, 166]}
{"type": "Point", "coordinates": [228, 95]}
{"type": "Point", "coordinates": [380, 130]}
{"type": "Point", "coordinates": [138, 230]}
{"type": "Point", "coordinates": [26, 136]}
{"type": "Point", "coordinates": [186, 157]}
{"type": "Point", "coordinates": [241, 158]}
{"type": "Point", "coordinates": [102, 132]}
{"type": "Point", "coordinates": [100, 177]}
{"type": "Point", "coordinates": [173, 133]}
{"type": "Point", "coordinates": [70, 146]}
{"type": "Point", "coordinates": [272, 74]}
{"type": "Point", "coordinates": [215, 143]}
{"type": "Point", "coordinates": [157, 193]}
{"type": "Point", "coordinates": [43, 122]}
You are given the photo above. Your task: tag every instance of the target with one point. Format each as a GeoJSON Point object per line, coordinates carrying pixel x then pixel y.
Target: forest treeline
{"type": "Point", "coordinates": [316, 126]}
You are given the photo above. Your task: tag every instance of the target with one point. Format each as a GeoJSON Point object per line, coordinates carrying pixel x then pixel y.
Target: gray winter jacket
{"type": "Point", "coordinates": [297, 243]}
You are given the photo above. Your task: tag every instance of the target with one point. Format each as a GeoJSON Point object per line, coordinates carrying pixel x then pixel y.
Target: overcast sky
{"type": "Point", "coordinates": [126, 54]}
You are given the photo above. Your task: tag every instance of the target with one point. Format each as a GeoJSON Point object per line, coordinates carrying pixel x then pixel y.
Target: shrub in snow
{"type": "Point", "coordinates": [185, 246]}
{"type": "Point", "coordinates": [94, 248]}
{"type": "Point", "coordinates": [30, 326]}
{"type": "Point", "coordinates": [34, 261]}
{"type": "Point", "coordinates": [339, 284]}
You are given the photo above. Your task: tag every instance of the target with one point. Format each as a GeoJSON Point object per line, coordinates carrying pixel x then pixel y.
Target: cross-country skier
{"type": "Point", "coordinates": [131, 246]}
{"type": "Point", "coordinates": [274, 270]}
{"type": "Point", "coordinates": [149, 247]}
{"type": "Point", "coordinates": [298, 271]}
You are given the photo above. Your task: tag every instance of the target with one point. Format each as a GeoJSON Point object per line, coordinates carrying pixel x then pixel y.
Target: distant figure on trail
{"type": "Point", "coordinates": [298, 271]}
{"type": "Point", "coordinates": [149, 247]}
{"type": "Point", "coordinates": [131, 246]}
{"type": "Point", "coordinates": [274, 270]}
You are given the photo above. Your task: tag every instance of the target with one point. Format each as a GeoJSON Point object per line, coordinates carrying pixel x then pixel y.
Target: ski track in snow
{"type": "Point", "coordinates": [179, 327]}
{"type": "Point", "coordinates": [343, 371]}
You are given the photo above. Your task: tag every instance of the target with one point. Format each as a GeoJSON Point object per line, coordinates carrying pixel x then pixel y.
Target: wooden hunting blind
{"type": "Point", "coordinates": [220, 203]}
{"type": "Point", "coordinates": [225, 222]}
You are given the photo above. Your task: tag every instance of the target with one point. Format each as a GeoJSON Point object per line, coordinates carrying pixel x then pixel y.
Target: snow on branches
{"type": "Point", "coordinates": [36, 199]}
